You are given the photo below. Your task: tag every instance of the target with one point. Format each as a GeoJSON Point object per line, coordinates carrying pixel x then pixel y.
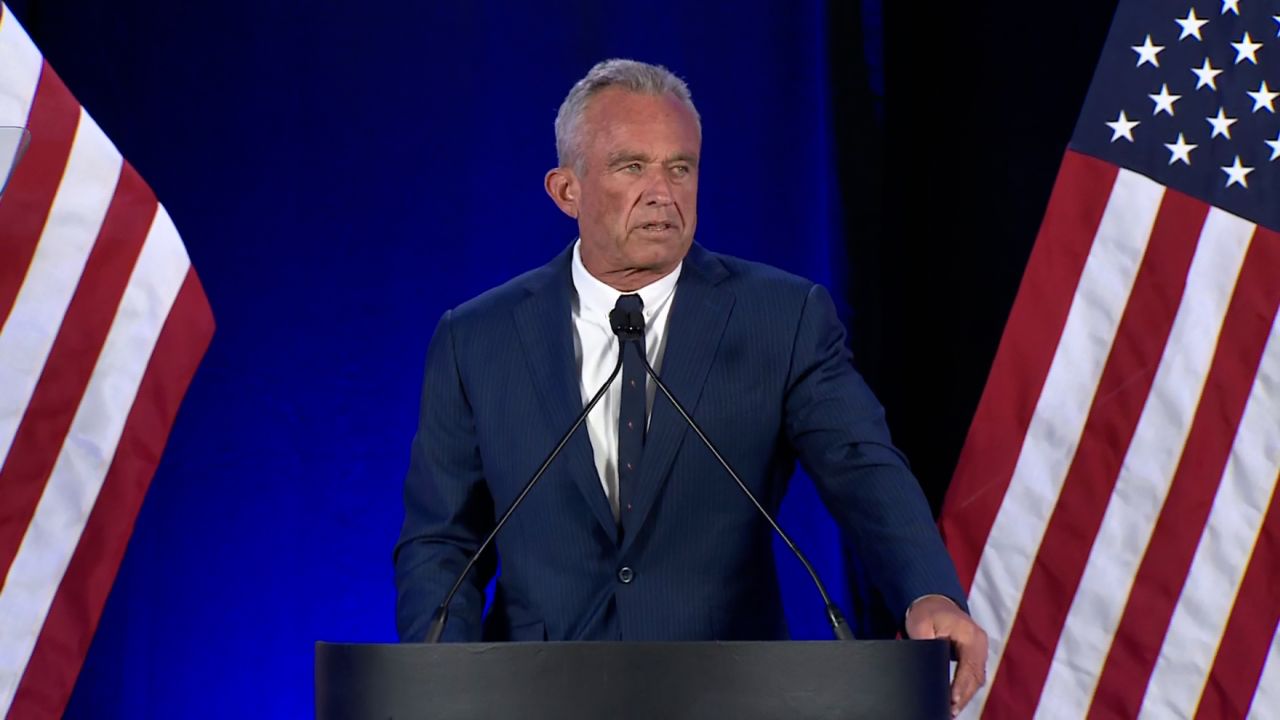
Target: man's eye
{"type": "Point", "coordinates": [632, 167]}
{"type": "Point", "coordinates": [680, 170]}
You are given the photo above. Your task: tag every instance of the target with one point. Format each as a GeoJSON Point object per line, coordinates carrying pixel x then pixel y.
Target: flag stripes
{"type": "Point", "coordinates": [1251, 629]}
{"type": "Point", "coordinates": [1154, 424]}
{"type": "Point", "coordinates": [23, 210]}
{"type": "Point", "coordinates": [50, 280]}
{"type": "Point", "coordinates": [22, 63]}
{"type": "Point", "coordinates": [1149, 464]}
{"type": "Point", "coordinates": [1118, 400]}
{"type": "Point", "coordinates": [102, 324]}
{"type": "Point", "coordinates": [1058, 419]}
{"type": "Point", "coordinates": [72, 488]}
{"type": "Point", "coordinates": [26, 202]}
{"type": "Point", "coordinates": [1267, 696]}
{"type": "Point", "coordinates": [20, 66]}
{"type": "Point", "coordinates": [63, 642]}
{"type": "Point", "coordinates": [990, 451]}
{"type": "Point", "coordinates": [1217, 569]}
{"type": "Point", "coordinates": [1164, 568]}
{"type": "Point", "coordinates": [71, 357]}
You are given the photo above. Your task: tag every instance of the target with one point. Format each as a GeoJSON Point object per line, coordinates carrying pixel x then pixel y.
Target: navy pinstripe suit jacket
{"type": "Point", "coordinates": [758, 357]}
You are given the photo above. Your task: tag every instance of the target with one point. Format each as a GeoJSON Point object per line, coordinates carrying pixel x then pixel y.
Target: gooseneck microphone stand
{"type": "Point", "coordinates": [629, 327]}
{"type": "Point", "coordinates": [442, 613]}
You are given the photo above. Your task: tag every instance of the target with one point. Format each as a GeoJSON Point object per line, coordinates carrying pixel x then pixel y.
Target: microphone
{"type": "Point", "coordinates": [629, 327]}
{"type": "Point", "coordinates": [442, 613]}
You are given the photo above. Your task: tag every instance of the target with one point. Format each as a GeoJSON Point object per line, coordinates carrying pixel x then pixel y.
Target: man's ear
{"type": "Point", "coordinates": [562, 185]}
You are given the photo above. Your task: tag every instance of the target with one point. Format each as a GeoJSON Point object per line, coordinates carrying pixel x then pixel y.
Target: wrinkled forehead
{"type": "Point", "coordinates": [618, 121]}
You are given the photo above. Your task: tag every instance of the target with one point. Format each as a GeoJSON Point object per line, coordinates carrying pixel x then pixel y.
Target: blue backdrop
{"type": "Point", "coordinates": [341, 177]}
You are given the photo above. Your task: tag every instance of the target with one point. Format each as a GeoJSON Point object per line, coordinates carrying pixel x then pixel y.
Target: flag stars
{"type": "Point", "coordinates": [1246, 49]}
{"type": "Point", "coordinates": [1232, 5]}
{"type": "Point", "coordinates": [1275, 147]}
{"type": "Point", "coordinates": [1191, 26]}
{"type": "Point", "coordinates": [1180, 151]}
{"type": "Point", "coordinates": [1147, 53]}
{"type": "Point", "coordinates": [1236, 173]}
{"type": "Point", "coordinates": [1164, 101]}
{"type": "Point", "coordinates": [1277, 19]}
{"type": "Point", "coordinates": [1221, 125]}
{"type": "Point", "coordinates": [1122, 127]}
{"type": "Point", "coordinates": [1206, 74]}
{"type": "Point", "coordinates": [1263, 98]}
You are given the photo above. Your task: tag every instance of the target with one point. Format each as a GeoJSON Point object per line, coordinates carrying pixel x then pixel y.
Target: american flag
{"type": "Point", "coordinates": [1114, 509]}
{"type": "Point", "coordinates": [102, 324]}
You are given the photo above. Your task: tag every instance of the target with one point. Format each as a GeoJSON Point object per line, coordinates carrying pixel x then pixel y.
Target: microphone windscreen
{"type": "Point", "coordinates": [627, 325]}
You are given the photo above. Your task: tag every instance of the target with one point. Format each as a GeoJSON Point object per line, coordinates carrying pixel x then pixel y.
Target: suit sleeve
{"type": "Point", "coordinates": [838, 430]}
{"type": "Point", "coordinates": [448, 509]}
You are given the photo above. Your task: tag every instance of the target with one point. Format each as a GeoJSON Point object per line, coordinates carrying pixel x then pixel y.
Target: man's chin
{"type": "Point", "coordinates": [659, 251]}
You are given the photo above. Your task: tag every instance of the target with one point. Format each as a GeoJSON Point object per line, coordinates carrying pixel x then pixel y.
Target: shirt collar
{"type": "Point", "coordinates": [596, 299]}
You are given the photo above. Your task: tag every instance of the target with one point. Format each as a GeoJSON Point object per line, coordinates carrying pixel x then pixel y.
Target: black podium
{"type": "Point", "coordinates": [905, 679]}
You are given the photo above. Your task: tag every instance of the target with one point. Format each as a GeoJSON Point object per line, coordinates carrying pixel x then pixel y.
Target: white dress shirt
{"type": "Point", "coordinates": [595, 347]}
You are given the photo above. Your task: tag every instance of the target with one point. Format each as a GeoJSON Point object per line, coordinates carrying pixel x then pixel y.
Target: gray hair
{"type": "Point", "coordinates": [631, 75]}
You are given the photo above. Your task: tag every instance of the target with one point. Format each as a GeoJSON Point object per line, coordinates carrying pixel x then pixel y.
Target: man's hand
{"type": "Point", "coordinates": [935, 616]}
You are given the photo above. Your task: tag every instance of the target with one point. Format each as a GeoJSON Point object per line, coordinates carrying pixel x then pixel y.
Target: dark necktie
{"type": "Point", "coordinates": [631, 415]}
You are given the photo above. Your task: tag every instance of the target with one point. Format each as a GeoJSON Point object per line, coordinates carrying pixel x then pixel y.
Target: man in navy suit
{"type": "Point", "coordinates": [635, 532]}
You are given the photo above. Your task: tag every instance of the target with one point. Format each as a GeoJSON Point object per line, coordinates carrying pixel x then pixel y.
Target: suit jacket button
{"type": "Point", "coordinates": [626, 575]}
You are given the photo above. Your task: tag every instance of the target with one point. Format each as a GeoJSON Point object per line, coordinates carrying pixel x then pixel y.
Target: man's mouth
{"type": "Point", "coordinates": [657, 227]}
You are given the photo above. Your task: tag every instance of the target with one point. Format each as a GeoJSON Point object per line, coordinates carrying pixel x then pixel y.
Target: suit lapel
{"type": "Point", "coordinates": [698, 318]}
{"type": "Point", "coordinates": [545, 328]}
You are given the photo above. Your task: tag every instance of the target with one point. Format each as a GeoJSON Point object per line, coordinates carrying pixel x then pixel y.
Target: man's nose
{"type": "Point", "coordinates": [658, 189]}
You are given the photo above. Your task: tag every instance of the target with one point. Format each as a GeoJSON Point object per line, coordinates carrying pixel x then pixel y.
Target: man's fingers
{"type": "Point", "coordinates": [934, 616]}
{"type": "Point", "coordinates": [970, 675]}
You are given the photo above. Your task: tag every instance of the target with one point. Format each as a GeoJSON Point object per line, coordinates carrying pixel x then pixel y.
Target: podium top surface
{"type": "Point", "coordinates": [565, 680]}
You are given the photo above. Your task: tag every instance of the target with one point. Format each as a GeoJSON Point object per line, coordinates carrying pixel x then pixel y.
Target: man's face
{"type": "Point", "coordinates": [637, 183]}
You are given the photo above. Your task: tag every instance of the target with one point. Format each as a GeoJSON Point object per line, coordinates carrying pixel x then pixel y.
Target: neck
{"type": "Point", "coordinates": [630, 279]}
{"type": "Point", "coordinates": [625, 279]}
